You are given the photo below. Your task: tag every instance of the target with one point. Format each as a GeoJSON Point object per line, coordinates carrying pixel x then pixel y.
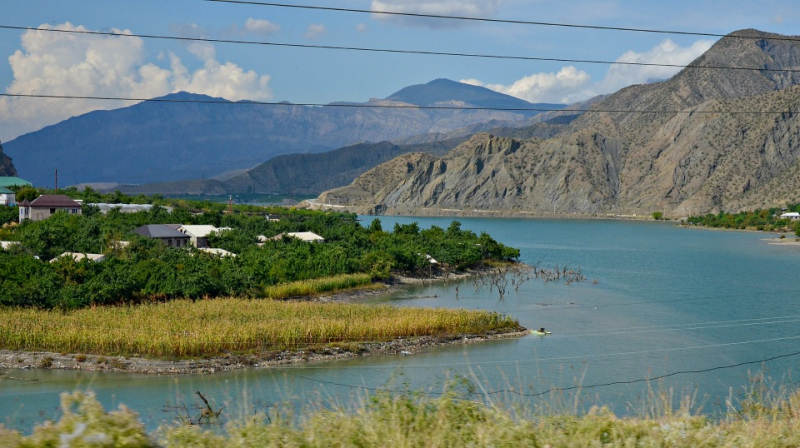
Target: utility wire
{"type": "Point", "coordinates": [490, 20]}
{"type": "Point", "coordinates": [385, 50]}
{"type": "Point", "coordinates": [562, 389]}
{"type": "Point", "coordinates": [391, 106]}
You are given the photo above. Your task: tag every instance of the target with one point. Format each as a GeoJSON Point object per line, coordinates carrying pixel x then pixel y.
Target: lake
{"type": "Point", "coordinates": [664, 308]}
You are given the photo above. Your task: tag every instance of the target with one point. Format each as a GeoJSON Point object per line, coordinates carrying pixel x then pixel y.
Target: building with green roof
{"type": "Point", "coordinates": [10, 181]}
{"type": "Point", "coordinates": [7, 197]}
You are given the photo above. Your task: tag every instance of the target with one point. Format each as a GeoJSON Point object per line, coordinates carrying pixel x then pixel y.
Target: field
{"type": "Point", "coordinates": [203, 328]}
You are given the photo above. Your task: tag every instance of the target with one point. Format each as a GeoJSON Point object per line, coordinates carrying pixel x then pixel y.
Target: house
{"type": "Point", "coordinates": [198, 234]}
{"type": "Point", "coordinates": [125, 208]}
{"type": "Point", "coordinates": [10, 181]}
{"type": "Point", "coordinates": [309, 237]}
{"type": "Point", "coordinates": [217, 251]}
{"type": "Point", "coordinates": [46, 206]}
{"type": "Point", "coordinates": [164, 233]}
{"type": "Point", "coordinates": [78, 256]}
{"type": "Point", "coordinates": [792, 216]}
{"type": "Point", "coordinates": [7, 197]}
{"type": "Point", "coordinates": [6, 245]}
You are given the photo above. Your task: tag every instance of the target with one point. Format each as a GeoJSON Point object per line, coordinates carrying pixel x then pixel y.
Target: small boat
{"type": "Point", "coordinates": [540, 332]}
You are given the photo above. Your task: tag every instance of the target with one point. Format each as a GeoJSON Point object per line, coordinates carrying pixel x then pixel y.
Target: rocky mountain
{"type": "Point", "coordinates": [188, 136]}
{"type": "Point", "coordinates": [311, 174]}
{"type": "Point", "coordinates": [6, 167]}
{"type": "Point", "coordinates": [702, 141]}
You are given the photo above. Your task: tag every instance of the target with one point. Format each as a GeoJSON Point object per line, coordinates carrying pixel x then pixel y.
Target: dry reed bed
{"type": "Point", "coordinates": [182, 328]}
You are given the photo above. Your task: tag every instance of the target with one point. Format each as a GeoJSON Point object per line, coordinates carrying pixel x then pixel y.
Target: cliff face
{"type": "Point", "coordinates": [6, 167]}
{"type": "Point", "coordinates": [703, 141]}
{"type": "Point", "coordinates": [706, 159]}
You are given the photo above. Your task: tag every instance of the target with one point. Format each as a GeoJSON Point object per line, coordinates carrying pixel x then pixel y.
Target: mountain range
{"type": "Point", "coordinates": [705, 140]}
{"type": "Point", "coordinates": [189, 136]}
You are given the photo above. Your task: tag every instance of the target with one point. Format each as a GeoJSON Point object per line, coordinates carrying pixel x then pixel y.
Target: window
{"type": "Point", "coordinates": [74, 211]}
{"type": "Point", "coordinates": [52, 210]}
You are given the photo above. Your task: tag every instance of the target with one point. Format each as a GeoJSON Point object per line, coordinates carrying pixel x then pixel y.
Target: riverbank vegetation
{"type": "Point", "coordinates": [145, 270]}
{"type": "Point", "coordinates": [419, 420]}
{"type": "Point", "coordinates": [766, 220]}
{"type": "Point", "coordinates": [205, 328]}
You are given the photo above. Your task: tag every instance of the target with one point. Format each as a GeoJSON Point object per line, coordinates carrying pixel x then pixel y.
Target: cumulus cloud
{"type": "Point", "coordinates": [315, 30]}
{"type": "Point", "coordinates": [667, 52]}
{"type": "Point", "coordinates": [260, 27]}
{"type": "Point", "coordinates": [567, 86]}
{"type": "Point", "coordinates": [465, 8]}
{"type": "Point", "coordinates": [571, 85]}
{"type": "Point", "coordinates": [63, 64]}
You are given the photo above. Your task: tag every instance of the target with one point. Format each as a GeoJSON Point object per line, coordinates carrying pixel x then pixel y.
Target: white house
{"type": "Point", "coordinates": [7, 197]}
{"type": "Point", "coordinates": [309, 237]}
{"type": "Point", "coordinates": [217, 251]}
{"type": "Point", "coordinates": [198, 234]}
{"type": "Point", "coordinates": [793, 216]}
{"type": "Point", "coordinates": [78, 256]}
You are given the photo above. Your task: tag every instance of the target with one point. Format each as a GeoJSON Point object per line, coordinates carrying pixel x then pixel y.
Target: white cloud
{"type": "Point", "coordinates": [667, 52]}
{"type": "Point", "coordinates": [362, 28]}
{"type": "Point", "coordinates": [315, 30]}
{"type": "Point", "coordinates": [65, 64]}
{"type": "Point", "coordinates": [571, 85]}
{"type": "Point", "coordinates": [464, 8]}
{"type": "Point", "coordinates": [260, 27]}
{"type": "Point", "coordinates": [567, 86]}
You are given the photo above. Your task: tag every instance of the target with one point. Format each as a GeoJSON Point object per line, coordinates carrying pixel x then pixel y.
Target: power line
{"type": "Point", "coordinates": [392, 106]}
{"type": "Point", "coordinates": [563, 389]}
{"type": "Point", "coordinates": [392, 51]}
{"type": "Point", "coordinates": [490, 20]}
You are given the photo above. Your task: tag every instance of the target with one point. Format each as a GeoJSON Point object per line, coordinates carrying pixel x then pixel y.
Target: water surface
{"type": "Point", "coordinates": [691, 310]}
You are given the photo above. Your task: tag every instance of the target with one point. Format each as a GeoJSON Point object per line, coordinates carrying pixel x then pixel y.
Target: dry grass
{"type": "Point", "coordinates": [183, 328]}
{"type": "Point", "coordinates": [416, 420]}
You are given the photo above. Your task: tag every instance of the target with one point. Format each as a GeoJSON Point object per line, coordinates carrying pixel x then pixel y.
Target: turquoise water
{"type": "Point", "coordinates": [688, 310]}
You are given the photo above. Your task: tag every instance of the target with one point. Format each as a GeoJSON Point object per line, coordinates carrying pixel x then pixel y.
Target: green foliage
{"type": "Point", "coordinates": [658, 216]}
{"type": "Point", "coordinates": [148, 270]}
{"type": "Point", "coordinates": [8, 214]}
{"type": "Point", "coordinates": [767, 219]}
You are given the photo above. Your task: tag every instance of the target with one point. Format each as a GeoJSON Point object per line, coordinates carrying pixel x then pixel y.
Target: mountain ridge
{"type": "Point", "coordinates": [186, 136]}
{"type": "Point", "coordinates": [681, 146]}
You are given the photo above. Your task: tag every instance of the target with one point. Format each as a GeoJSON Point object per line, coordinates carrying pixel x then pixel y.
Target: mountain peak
{"type": "Point", "coordinates": [443, 90]}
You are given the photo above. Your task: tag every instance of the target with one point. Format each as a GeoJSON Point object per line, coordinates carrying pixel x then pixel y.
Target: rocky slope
{"type": "Point", "coordinates": [702, 141]}
{"type": "Point", "coordinates": [6, 167]}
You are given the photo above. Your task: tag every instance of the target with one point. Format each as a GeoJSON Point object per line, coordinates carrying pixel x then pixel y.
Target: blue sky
{"type": "Point", "coordinates": [56, 64]}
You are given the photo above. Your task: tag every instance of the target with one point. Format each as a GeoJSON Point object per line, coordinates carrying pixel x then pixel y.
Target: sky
{"type": "Point", "coordinates": [39, 62]}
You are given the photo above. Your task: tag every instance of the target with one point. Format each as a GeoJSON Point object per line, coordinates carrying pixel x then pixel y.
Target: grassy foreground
{"type": "Point", "coordinates": [419, 421]}
{"type": "Point", "coordinates": [183, 328]}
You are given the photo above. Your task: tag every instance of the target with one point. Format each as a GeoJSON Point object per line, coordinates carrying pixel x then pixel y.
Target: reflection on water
{"type": "Point", "coordinates": [672, 308]}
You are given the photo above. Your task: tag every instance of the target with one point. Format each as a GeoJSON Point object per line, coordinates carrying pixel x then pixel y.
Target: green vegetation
{"type": "Point", "coordinates": [767, 219]}
{"type": "Point", "coordinates": [181, 328]}
{"type": "Point", "coordinates": [147, 270]}
{"type": "Point", "coordinates": [658, 216]}
{"type": "Point", "coordinates": [416, 420]}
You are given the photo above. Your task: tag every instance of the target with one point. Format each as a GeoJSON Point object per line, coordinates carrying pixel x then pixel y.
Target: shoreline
{"type": "Point", "coordinates": [12, 359]}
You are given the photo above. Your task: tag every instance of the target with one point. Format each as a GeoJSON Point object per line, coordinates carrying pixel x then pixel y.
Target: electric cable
{"type": "Point", "coordinates": [390, 106]}
{"type": "Point", "coordinates": [393, 51]}
{"type": "Point", "coordinates": [491, 20]}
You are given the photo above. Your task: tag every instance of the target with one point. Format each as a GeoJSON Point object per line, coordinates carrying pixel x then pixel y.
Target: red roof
{"type": "Point", "coordinates": [54, 201]}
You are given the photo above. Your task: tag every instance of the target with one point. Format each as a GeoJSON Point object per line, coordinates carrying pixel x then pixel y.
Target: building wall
{"type": "Point", "coordinates": [40, 213]}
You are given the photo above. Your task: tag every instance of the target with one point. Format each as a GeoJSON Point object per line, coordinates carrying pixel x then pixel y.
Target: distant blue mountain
{"type": "Point", "coordinates": [190, 136]}
{"type": "Point", "coordinates": [443, 90]}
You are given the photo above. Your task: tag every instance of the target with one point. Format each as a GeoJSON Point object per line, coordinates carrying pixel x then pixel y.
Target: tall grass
{"type": "Point", "coordinates": [316, 286]}
{"type": "Point", "coordinates": [416, 420]}
{"type": "Point", "coordinates": [182, 328]}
